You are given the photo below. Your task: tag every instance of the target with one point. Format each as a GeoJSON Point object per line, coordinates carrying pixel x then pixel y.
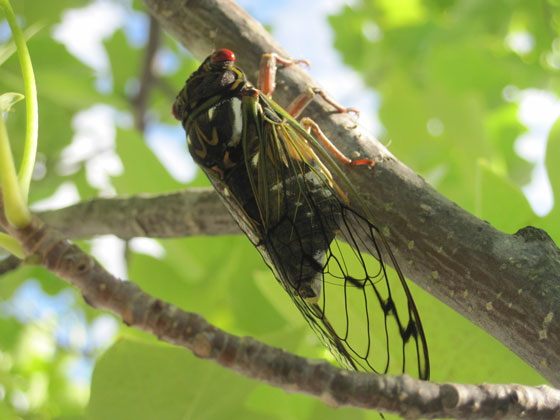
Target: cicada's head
{"type": "Point", "coordinates": [216, 78]}
{"type": "Point", "coordinates": [221, 59]}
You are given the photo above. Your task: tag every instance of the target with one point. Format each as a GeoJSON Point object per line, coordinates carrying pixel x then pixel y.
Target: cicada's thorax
{"type": "Point", "coordinates": [293, 218]}
{"type": "Point", "coordinates": [212, 117]}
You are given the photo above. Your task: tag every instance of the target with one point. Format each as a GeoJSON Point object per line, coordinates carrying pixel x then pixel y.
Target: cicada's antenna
{"type": "Point", "coordinates": [213, 37]}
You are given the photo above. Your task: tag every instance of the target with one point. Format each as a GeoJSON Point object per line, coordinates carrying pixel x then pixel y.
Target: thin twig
{"type": "Point", "coordinates": [148, 78]}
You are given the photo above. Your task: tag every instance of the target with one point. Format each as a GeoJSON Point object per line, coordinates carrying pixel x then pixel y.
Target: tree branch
{"type": "Point", "coordinates": [509, 285]}
{"type": "Point", "coordinates": [8, 264]}
{"type": "Point", "coordinates": [401, 395]}
{"type": "Point", "coordinates": [189, 212]}
{"type": "Point", "coordinates": [148, 78]}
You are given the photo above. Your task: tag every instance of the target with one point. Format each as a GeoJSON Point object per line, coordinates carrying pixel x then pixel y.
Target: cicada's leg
{"type": "Point", "coordinates": [267, 83]}
{"type": "Point", "coordinates": [296, 107]}
{"type": "Point", "coordinates": [299, 104]}
{"type": "Point", "coordinates": [267, 74]}
{"type": "Point", "coordinates": [309, 124]}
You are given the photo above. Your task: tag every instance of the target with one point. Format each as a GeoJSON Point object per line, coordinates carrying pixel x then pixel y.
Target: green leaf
{"type": "Point", "coordinates": [9, 48]}
{"type": "Point", "coordinates": [503, 127]}
{"type": "Point", "coordinates": [551, 222]}
{"type": "Point", "coordinates": [46, 12]}
{"type": "Point", "coordinates": [126, 64]}
{"type": "Point", "coordinates": [53, 64]}
{"type": "Point", "coordinates": [498, 197]}
{"type": "Point", "coordinates": [401, 12]}
{"type": "Point", "coordinates": [143, 172]}
{"type": "Point", "coordinates": [214, 276]}
{"type": "Point", "coordinates": [143, 380]}
{"type": "Point", "coordinates": [553, 159]}
{"type": "Point", "coordinates": [11, 281]}
{"type": "Point", "coordinates": [8, 99]}
{"type": "Point", "coordinates": [11, 330]}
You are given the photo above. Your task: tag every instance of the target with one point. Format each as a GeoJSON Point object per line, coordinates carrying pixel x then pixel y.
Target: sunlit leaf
{"type": "Point", "coordinates": [7, 100]}
{"type": "Point", "coordinates": [174, 383]}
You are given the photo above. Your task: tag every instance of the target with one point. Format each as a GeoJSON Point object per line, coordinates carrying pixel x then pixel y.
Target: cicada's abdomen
{"type": "Point", "coordinates": [299, 236]}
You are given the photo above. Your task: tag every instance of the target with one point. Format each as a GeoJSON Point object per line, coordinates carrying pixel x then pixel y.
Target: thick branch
{"type": "Point", "coordinates": [507, 284]}
{"type": "Point", "coordinates": [401, 395]}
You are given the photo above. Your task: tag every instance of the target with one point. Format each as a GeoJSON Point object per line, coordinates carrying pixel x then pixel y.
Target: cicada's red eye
{"type": "Point", "coordinates": [221, 55]}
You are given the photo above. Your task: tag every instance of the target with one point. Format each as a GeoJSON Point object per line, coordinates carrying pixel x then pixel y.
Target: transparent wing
{"type": "Point", "coordinates": [331, 260]}
{"type": "Point", "coordinates": [369, 305]}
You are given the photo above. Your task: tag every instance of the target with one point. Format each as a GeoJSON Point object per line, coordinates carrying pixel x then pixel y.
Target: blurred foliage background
{"type": "Point", "coordinates": [454, 79]}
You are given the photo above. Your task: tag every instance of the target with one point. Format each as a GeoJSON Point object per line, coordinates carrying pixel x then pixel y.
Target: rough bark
{"type": "Point", "coordinates": [191, 212]}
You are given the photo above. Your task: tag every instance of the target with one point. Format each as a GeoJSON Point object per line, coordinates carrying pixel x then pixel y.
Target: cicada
{"type": "Point", "coordinates": [282, 183]}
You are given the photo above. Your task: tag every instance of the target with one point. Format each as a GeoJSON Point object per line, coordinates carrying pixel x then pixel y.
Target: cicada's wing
{"type": "Point", "coordinates": [376, 319]}
{"type": "Point", "coordinates": [364, 314]}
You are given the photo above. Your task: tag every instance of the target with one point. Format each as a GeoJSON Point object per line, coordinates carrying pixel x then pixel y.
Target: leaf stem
{"type": "Point", "coordinates": [31, 105]}
{"type": "Point", "coordinates": [10, 244]}
{"type": "Point", "coordinates": [16, 209]}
